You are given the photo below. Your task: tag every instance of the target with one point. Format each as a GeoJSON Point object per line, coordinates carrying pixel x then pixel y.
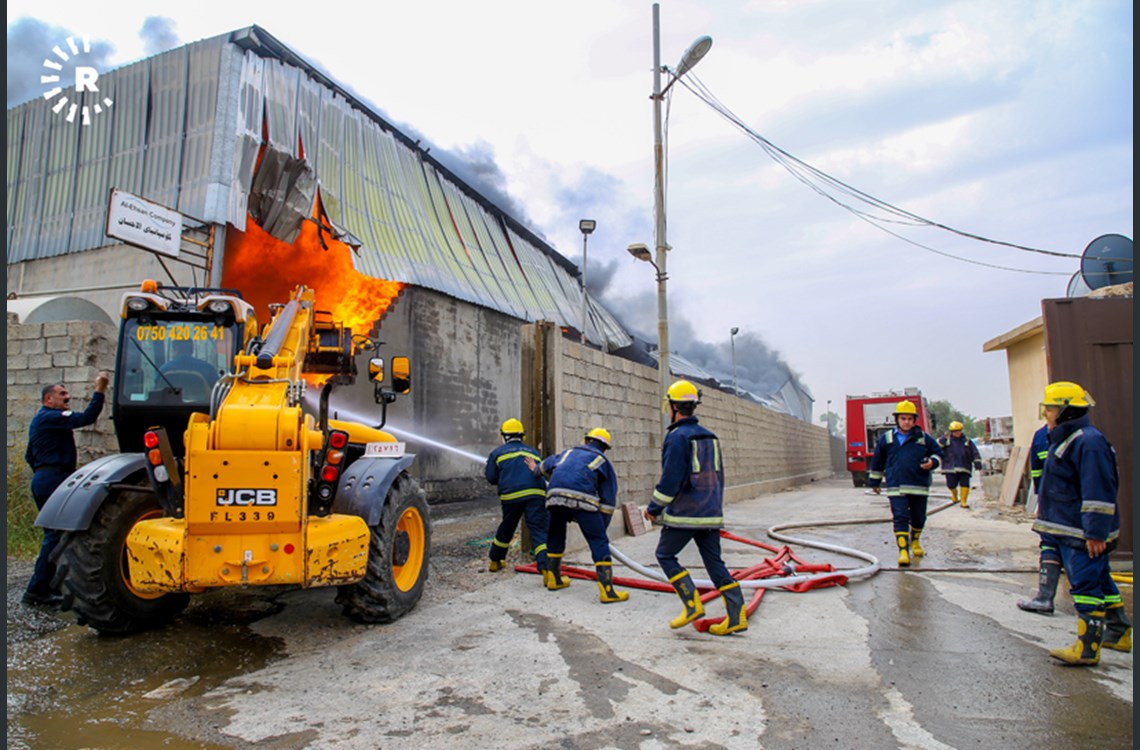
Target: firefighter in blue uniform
{"type": "Point", "coordinates": [906, 456]}
{"type": "Point", "coordinates": [1079, 483]}
{"type": "Point", "coordinates": [688, 502]}
{"type": "Point", "coordinates": [582, 487]}
{"type": "Point", "coordinates": [1049, 562]}
{"type": "Point", "coordinates": [960, 458]}
{"type": "Point", "coordinates": [51, 454]}
{"type": "Point", "coordinates": [522, 493]}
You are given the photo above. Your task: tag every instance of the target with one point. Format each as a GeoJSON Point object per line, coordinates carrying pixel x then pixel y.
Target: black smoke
{"type": "Point", "coordinates": [158, 35]}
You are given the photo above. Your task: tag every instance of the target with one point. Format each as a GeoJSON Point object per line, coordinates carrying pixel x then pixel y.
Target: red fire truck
{"type": "Point", "coordinates": [868, 417]}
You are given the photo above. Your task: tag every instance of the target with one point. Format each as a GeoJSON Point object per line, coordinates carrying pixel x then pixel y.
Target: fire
{"type": "Point", "coordinates": [265, 270]}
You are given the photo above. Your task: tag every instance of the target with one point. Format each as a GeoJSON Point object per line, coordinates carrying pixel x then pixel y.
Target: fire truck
{"type": "Point", "coordinates": [868, 417]}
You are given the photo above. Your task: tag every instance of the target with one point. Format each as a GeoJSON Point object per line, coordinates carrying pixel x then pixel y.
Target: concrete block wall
{"type": "Point", "coordinates": [71, 353]}
{"type": "Point", "coordinates": [764, 451]}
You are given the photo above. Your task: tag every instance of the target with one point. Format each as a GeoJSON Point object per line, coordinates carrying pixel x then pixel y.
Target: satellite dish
{"type": "Point", "coordinates": [1077, 286]}
{"type": "Point", "coordinates": [1107, 261]}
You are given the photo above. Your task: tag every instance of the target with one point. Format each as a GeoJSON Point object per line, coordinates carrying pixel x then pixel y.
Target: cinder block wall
{"type": "Point", "coordinates": [71, 353]}
{"type": "Point", "coordinates": [764, 451]}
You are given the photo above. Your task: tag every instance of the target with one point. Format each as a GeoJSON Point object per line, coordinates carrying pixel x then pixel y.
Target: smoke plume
{"type": "Point", "coordinates": [30, 42]}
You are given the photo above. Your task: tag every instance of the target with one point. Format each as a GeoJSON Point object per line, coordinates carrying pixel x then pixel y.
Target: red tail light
{"type": "Point", "coordinates": [150, 440]}
{"type": "Point", "coordinates": [329, 474]}
{"type": "Point", "coordinates": [338, 439]}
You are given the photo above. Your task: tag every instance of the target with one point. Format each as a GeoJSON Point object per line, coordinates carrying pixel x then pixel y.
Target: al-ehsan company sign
{"type": "Point", "coordinates": [140, 222]}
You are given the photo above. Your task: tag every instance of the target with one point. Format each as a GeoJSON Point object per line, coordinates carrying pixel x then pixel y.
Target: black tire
{"type": "Point", "coordinates": [93, 574]}
{"type": "Point", "coordinates": [398, 556]}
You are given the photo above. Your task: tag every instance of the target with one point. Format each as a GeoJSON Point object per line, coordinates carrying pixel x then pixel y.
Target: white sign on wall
{"type": "Point", "coordinates": [140, 222]}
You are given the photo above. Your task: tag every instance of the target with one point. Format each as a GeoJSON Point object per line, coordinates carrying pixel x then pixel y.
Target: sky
{"type": "Point", "coordinates": [1007, 121]}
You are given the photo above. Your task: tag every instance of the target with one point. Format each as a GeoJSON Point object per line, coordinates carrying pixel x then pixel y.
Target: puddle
{"type": "Point", "coordinates": [71, 688]}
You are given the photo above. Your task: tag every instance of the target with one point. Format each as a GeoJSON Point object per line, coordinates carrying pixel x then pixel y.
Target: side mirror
{"type": "Point", "coordinates": [376, 369]}
{"type": "Point", "coordinates": [401, 375]}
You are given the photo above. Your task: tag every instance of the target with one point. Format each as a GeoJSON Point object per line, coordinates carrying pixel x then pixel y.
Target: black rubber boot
{"type": "Point", "coordinates": [1085, 651]}
{"type": "Point", "coordinates": [1117, 629]}
{"type": "Point", "coordinates": [690, 597]}
{"type": "Point", "coordinates": [1047, 577]}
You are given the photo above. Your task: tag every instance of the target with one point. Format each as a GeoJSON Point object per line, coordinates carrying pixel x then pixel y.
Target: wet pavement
{"type": "Point", "coordinates": [937, 656]}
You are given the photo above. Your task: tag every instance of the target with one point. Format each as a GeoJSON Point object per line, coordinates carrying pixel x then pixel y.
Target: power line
{"type": "Point", "coordinates": [879, 212]}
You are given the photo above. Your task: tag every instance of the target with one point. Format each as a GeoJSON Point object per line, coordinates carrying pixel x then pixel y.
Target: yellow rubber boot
{"type": "Point", "coordinates": [495, 566]}
{"type": "Point", "coordinates": [608, 595]}
{"type": "Point", "coordinates": [1117, 629]}
{"type": "Point", "coordinates": [954, 494]}
{"type": "Point", "coordinates": [964, 494]}
{"type": "Point", "coordinates": [1085, 652]}
{"type": "Point", "coordinates": [915, 548]}
{"type": "Point", "coordinates": [903, 540]}
{"type": "Point", "coordinates": [552, 576]}
{"type": "Point", "coordinates": [690, 597]}
{"type": "Point", "coordinates": [737, 619]}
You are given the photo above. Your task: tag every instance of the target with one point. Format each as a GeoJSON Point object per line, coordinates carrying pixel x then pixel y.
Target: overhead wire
{"type": "Point", "coordinates": [879, 212]}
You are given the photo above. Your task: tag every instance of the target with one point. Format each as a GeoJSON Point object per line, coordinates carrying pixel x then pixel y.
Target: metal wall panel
{"type": "Point", "coordinates": [129, 88]}
{"type": "Point", "coordinates": [1089, 341]}
{"type": "Point", "coordinates": [250, 110]}
{"type": "Point", "coordinates": [59, 185]}
{"type": "Point", "coordinates": [26, 188]}
{"type": "Point", "coordinates": [330, 156]}
{"type": "Point", "coordinates": [198, 171]}
{"type": "Point", "coordinates": [281, 86]}
{"type": "Point", "coordinates": [163, 161]}
{"type": "Point", "coordinates": [92, 188]}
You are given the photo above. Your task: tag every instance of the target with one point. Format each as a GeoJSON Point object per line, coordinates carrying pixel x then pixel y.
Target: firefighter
{"type": "Point", "coordinates": [688, 502]}
{"type": "Point", "coordinates": [522, 493]}
{"type": "Point", "coordinates": [906, 456]}
{"type": "Point", "coordinates": [1049, 560]}
{"type": "Point", "coordinates": [582, 487]}
{"type": "Point", "coordinates": [960, 457]}
{"type": "Point", "coordinates": [1079, 482]}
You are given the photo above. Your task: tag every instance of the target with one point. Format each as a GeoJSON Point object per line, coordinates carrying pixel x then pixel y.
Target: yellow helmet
{"type": "Point", "coordinates": [1064, 393]}
{"type": "Point", "coordinates": [601, 434]}
{"type": "Point", "coordinates": [512, 427]}
{"type": "Point", "coordinates": [906, 407]}
{"type": "Point", "coordinates": [955, 426]}
{"type": "Point", "coordinates": [683, 390]}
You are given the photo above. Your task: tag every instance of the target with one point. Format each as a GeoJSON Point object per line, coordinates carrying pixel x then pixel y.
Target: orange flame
{"type": "Point", "coordinates": [265, 270]}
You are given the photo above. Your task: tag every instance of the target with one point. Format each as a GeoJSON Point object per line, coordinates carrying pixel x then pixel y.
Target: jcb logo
{"type": "Point", "coordinates": [247, 497]}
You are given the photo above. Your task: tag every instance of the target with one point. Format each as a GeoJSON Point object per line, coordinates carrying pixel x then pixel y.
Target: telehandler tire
{"type": "Point", "coordinates": [93, 573]}
{"type": "Point", "coordinates": [397, 558]}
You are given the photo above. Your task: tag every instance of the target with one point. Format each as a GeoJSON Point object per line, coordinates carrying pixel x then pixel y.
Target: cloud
{"type": "Point", "coordinates": [30, 42]}
{"type": "Point", "coordinates": [158, 34]}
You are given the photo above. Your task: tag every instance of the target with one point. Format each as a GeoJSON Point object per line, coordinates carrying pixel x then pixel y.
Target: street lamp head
{"type": "Point", "coordinates": [734, 331]}
{"type": "Point", "coordinates": [586, 226]}
{"type": "Point", "coordinates": [693, 54]}
{"type": "Point", "coordinates": [640, 251]}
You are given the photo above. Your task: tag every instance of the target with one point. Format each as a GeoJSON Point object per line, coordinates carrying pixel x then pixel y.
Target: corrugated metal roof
{"type": "Point", "coordinates": [185, 131]}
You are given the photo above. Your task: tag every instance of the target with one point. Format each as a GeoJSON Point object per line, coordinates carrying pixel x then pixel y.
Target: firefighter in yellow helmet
{"type": "Point", "coordinates": [1077, 506]}
{"type": "Point", "coordinates": [688, 502]}
{"type": "Point", "coordinates": [582, 487]}
{"type": "Point", "coordinates": [906, 457]}
{"type": "Point", "coordinates": [522, 493]}
{"type": "Point", "coordinates": [960, 457]}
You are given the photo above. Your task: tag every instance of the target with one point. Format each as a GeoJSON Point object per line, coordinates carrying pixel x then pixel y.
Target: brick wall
{"type": "Point", "coordinates": [71, 353]}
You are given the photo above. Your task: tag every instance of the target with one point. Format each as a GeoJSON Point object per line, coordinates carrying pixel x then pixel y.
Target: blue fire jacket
{"type": "Point", "coordinates": [50, 439]}
{"type": "Point", "coordinates": [1038, 450]}
{"type": "Point", "coordinates": [960, 455]}
{"type": "Point", "coordinates": [582, 478]}
{"type": "Point", "coordinates": [1078, 486]}
{"type": "Point", "coordinates": [507, 469]}
{"type": "Point", "coordinates": [690, 493]}
{"type": "Point", "coordinates": [898, 456]}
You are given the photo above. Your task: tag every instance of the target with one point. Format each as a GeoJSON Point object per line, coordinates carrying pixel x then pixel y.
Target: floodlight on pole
{"type": "Point", "coordinates": [586, 227]}
{"type": "Point", "coordinates": [692, 56]}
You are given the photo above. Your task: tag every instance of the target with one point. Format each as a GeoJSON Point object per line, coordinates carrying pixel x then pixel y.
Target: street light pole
{"type": "Point", "coordinates": [585, 226]}
{"type": "Point", "coordinates": [692, 55]}
{"type": "Point", "coordinates": [732, 340]}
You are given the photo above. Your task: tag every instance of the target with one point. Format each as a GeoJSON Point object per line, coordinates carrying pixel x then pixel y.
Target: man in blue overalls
{"type": "Point", "coordinates": [522, 493]}
{"type": "Point", "coordinates": [51, 454]}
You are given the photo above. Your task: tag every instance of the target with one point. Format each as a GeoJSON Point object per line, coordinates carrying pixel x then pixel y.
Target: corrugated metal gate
{"type": "Point", "coordinates": [1089, 341]}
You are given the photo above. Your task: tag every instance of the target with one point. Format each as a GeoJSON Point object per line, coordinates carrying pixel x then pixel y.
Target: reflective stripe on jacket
{"type": "Point", "coordinates": [959, 455]}
{"type": "Point", "coordinates": [582, 478]}
{"type": "Point", "coordinates": [1078, 486]}
{"type": "Point", "coordinates": [900, 462]}
{"type": "Point", "coordinates": [690, 493]}
{"type": "Point", "coordinates": [506, 468]}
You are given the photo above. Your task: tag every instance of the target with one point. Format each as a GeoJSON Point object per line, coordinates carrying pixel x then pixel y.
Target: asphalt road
{"type": "Point", "coordinates": [937, 656]}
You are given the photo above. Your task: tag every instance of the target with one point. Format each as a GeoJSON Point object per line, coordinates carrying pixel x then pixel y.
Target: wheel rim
{"type": "Point", "coordinates": [408, 549]}
{"type": "Point", "coordinates": [125, 567]}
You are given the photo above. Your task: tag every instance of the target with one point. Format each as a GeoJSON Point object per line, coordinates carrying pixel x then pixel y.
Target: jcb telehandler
{"type": "Point", "coordinates": [225, 480]}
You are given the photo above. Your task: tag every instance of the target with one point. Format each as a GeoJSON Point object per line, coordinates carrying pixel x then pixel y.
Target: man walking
{"type": "Point", "coordinates": [689, 504]}
{"type": "Point", "coordinates": [51, 454]}
{"type": "Point", "coordinates": [960, 457]}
